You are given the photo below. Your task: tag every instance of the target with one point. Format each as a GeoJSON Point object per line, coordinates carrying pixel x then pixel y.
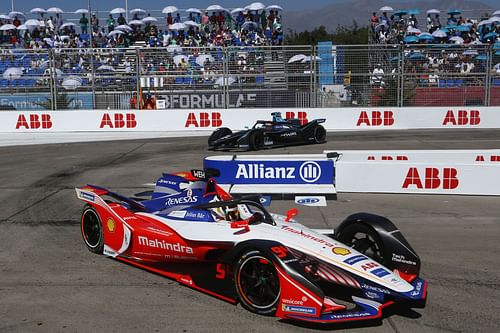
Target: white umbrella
{"type": "Point", "coordinates": [82, 11]}
{"type": "Point", "coordinates": [200, 60]}
{"type": "Point", "coordinates": [255, 6]}
{"type": "Point", "coordinates": [136, 22]}
{"type": "Point", "coordinates": [439, 33]}
{"type": "Point", "coordinates": [309, 58]}
{"type": "Point", "coordinates": [177, 26]}
{"type": "Point", "coordinates": [16, 13]}
{"type": "Point", "coordinates": [32, 23]}
{"type": "Point", "coordinates": [45, 63]}
{"type": "Point", "coordinates": [494, 19]}
{"type": "Point", "coordinates": [433, 11]}
{"type": "Point", "coordinates": [38, 10]}
{"type": "Point", "coordinates": [22, 27]}
{"type": "Point", "coordinates": [106, 68]}
{"type": "Point", "coordinates": [193, 10]}
{"type": "Point", "coordinates": [412, 30]}
{"type": "Point", "coordinates": [55, 10]}
{"type": "Point", "coordinates": [177, 59]}
{"type": "Point", "coordinates": [457, 40]}
{"type": "Point", "coordinates": [169, 10]}
{"type": "Point", "coordinates": [297, 57]}
{"type": "Point", "coordinates": [67, 24]}
{"type": "Point", "coordinates": [237, 10]}
{"type": "Point", "coordinates": [4, 17]}
{"type": "Point", "coordinates": [274, 7]}
{"type": "Point", "coordinates": [115, 32]}
{"type": "Point", "coordinates": [138, 11]}
{"type": "Point", "coordinates": [484, 22]}
{"type": "Point", "coordinates": [386, 9]}
{"type": "Point", "coordinates": [7, 26]}
{"type": "Point", "coordinates": [248, 24]}
{"type": "Point", "coordinates": [470, 52]}
{"type": "Point", "coordinates": [174, 48]}
{"type": "Point", "coordinates": [72, 82]}
{"type": "Point", "coordinates": [117, 10]}
{"type": "Point", "coordinates": [191, 24]}
{"type": "Point", "coordinates": [229, 81]}
{"type": "Point", "coordinates": [149, 19]}
{"type": "Point", "coordinates": [124, 27]}
{"type": "Point", "coordinates": [13, 73]}
{"type": "Point", "coordinates": [496, 13]}
{"type": "Point", "coordinates": [215, 8]}
{"type": "Point", "coordinates": [50, 42]}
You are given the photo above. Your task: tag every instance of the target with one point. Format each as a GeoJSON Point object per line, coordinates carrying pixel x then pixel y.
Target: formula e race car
{"type": "Point", "coordinates": [265, 134]}
{"type": "Point", "coordinates": [190, 230]}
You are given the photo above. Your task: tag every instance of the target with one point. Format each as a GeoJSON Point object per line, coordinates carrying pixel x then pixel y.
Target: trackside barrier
{"type": "Point", "coordinates": [276, 175]}
{"type": "Point", "coordinates": [337, 119]}
{"type": "Point", "coordinates": [473, 172]}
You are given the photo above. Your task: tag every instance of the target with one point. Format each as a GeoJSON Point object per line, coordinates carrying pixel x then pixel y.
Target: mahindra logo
{"type": "Point", "coordinates": [36, 121]}
{"type": "Point", "coordinates": [161, 244]}
{"type": "Point", "coordinates": [204, 119]}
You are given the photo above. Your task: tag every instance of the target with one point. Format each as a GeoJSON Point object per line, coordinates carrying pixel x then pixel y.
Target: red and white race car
{"type": "Point", "coordinates": [191, 230]}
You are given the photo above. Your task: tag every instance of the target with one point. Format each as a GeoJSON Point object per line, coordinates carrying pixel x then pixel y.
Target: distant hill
{"type": "Point", "coordinates": [360, 10]}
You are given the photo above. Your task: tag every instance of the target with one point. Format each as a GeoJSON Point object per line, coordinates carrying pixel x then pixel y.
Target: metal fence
{"type": "Point", "coordinates": [250, 77]}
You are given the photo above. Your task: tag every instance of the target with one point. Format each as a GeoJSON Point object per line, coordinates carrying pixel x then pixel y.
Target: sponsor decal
{"type": "Point", "coordinates": [375, 118]}
{"type": "Point", "coordinates": [167, 182]}
{"type": "Point", "coordinates": [417, 289]}
{"type": "Point", "coordinates": [87, 196]}
{"type": "Point", "coordinates": [178, 213]}
{"type": "Point", "coordinates": [309, 171]}
{"type": "Point", "coordinates": [161, 232]}
{"type": "Point", "coordinates": [197, 215]}
{"type": "Point", "coordinates": [355, 259]}
{"type": "Point", "coordinates": [119, 120]}
{"type": "Point", "coordinates": [299, 309]}
{"type": "Point", "coordinates": [308, 236]}
{"type": "Point", "coordinates": [111, 225]}
{"type": "Point", "coordinates": [319, 201]}
{"type": "Point", "coordinates": [108, 252]}
{"type": "Point", "coordinates": [401, 258]}
{"type": "Point", "coordinates": [36, 121]}
{"type": "Point", "coordinates": [289, 134]}
{"type": "Point", "coordinates": [301, 116]}
{"type": "Point", "coordinates": [293, 301]}
{"type": "Point", "coordinates": [376, 289]}
{"type": "Point", "coordinates": [198, 174]}
{"type": "Point", "coordinates": [373, 295]}
{"type": "Point", "coordinates": [380, 272]}
{"type": "Point", "coordinates": [369, 266]}
{"type": "Point", "coordinates": [181, 200]}
{"type": "Point", "coordinates": [203, 119]}
{"type": "Point", "coordinates": [350, 315]}
{"type": "Point", "coordinates": [434, 179]}
{"type": "Point", "coordinates": [341, 251]}
{"type": "Point", "coordinates": [206, 100]}
{"type": "Point", "coordinates": [462, 118]}
{"type": "Point", "coordinates": [161, 244]}
{"type": "Point", "coordinates": [265, 200]}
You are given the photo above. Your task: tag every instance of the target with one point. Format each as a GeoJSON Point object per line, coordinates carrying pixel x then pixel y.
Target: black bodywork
{"type": "Point", "coordinates": [269, 133]}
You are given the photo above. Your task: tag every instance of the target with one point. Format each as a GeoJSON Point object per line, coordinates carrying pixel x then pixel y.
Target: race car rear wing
{"type": "Point", "coordinates": [87, 193]}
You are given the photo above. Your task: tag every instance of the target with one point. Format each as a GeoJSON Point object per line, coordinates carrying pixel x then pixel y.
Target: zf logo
{"type": "Point", "coordinates": [310, 172]}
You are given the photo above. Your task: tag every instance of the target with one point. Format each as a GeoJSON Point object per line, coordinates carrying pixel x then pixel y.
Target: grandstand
{"type": "Point", "coordinates": [229, 58]}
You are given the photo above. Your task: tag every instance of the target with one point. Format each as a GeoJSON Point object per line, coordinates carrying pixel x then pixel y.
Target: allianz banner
{"type": "Point", "coordinates": [273, 172]}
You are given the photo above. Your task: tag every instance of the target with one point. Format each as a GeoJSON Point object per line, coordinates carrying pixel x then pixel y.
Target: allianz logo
{"type": "Point", "coordinates": [309, 171]}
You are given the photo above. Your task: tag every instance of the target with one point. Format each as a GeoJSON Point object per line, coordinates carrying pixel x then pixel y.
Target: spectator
{"type": "Point", "coordinates": [150, 102]}
{"type": "Point", "coordinates": [177, 18]}
{"type": "Point", "coordinates": [170, 19]}
{"type": "Point", "coordinates": [16, 21]}
{"type": "Point", "coordinates": [374, 21]}
{"type": "Point", "coordinates": [110, 22]}
{"type": "Point", "coordinates": [121, 20]}
{"type": "Point", "coordinates": [377, 78]}
{"type": "Point", "coordinates": [94, 21]}
{"type": "Point", "coordinates": [133, 101]}
{"type": "Point", "coordinates": [84, 24]}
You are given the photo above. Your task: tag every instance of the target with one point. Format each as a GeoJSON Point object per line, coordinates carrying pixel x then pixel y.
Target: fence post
{"type": "Point", "coordinates": [53, 79]}
{"type": "Point", "coordinates": [401, 75]}
{"type": "Point", "coordinates": [487, 83]}
{"type": "Point", "coordinates": [138, 78]}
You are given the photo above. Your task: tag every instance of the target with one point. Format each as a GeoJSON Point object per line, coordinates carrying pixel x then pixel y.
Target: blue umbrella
{"type": "Point", "coordinates": [413, 11]}
{"type": "Point", "coordinates": [425, 36]}
{"type": "Point", "coordinates": [451, 27]}
{"type": "Point", "coordinates": [490, 35]}
{"type": "Point", "coordinates": [400, 12]}
{"type": "Point", "coordinates": [463, 28]}
{"type": "Point", "coordinates": [396, 58]}
{"type": "Point", "coordinates": [481, 57]}
{"type": "Point", "coordinates": [454, 12]}
{"type": "Point", "coordinates": [411, 39]}
{"type": "Point", "coordinates": [496, 46]}
{"type": "Point", "coordinates": [497, 53]}
{"type": "Point", "coordinates": [417, 56]}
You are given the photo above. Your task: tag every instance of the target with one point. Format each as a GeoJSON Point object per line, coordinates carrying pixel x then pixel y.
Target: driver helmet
{"type": "Point", "coordinates": [232, 214]}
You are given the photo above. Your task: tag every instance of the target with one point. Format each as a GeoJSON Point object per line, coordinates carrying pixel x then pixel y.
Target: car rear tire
{"type": "Point", "coordinates": [257, 283]}
{"type": "Point", "coordinates": [319, 134]}
{"type": "Point", "coordinates": [91, 228]}
{"type": "Point", "coordinates": [256, 140]}
{"type": "Point", "coordinates": [364, 239]}
{"type": "Point", "coordinates": [217, 134]}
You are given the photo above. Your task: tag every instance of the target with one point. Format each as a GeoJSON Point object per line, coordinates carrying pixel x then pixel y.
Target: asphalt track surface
{"type": "Point", "coordinates": [49, 282]}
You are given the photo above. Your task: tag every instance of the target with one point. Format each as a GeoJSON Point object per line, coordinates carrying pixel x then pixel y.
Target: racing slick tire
{"type": "Point", "coordinates": [366, 240]}
{"type": "Point", "coordinates": [256, 140]}
{"type": "Point", "coordinates": [217, 134]}
{"type": "Point", "coordinates": [319, 134]}
{"type": "Point", "coordinates": [91, 228]}
{"type": "Point", "coordinates": [257, 283]}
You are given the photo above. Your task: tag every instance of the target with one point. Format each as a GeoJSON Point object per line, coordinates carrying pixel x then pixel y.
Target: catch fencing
{"type": "Point", "coordinates": [250, 77]}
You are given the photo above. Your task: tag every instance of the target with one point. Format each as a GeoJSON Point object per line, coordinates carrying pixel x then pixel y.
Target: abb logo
{"type": "Point", "coordinates": [301, 116]}
{"type": "Point", "coordinates": [447, 179]}
{"type": "Point", "coordinates": [376, 118]}
{"type": "Point", "coordinates": [204, 119]}
{"type": "Point", "coordinates": [119, 120]}
{"type": "Point", "coordinates": [462, 117]}
{"type": "Point", "coordinates": [35, 121]}
{"type": "Point", "coordinates": [389, 158]}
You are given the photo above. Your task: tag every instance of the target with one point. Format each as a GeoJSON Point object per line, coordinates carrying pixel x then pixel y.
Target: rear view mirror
{"type": "Point", "coordinates": [291, 213]}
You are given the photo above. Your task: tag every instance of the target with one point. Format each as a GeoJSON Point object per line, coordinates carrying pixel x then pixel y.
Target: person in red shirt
{"type": "Point", "coordinates": [16, 22]}
{"type": "Point", "coordinates": [133, 101]}
{"type": "Point", "coordinates": [149, 103]}
{"type": "Point", "coordinates": [374, 21]}
{"type": "Point", "coordinates": [170, 19]}
{"type": "Point", "coordinates": [220, 20]}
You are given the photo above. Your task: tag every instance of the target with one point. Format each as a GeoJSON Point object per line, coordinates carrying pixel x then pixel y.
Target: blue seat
{"type": "Point", "coordinates": [496, 82]}
{"type": "Point", "coordinates": [4, 83]}
{"type": "Point", "coordinates": [450, 83]}
{"type": "Point", "coordinates": [442, 84]}
{"type": "Point", "coordinates": [259, 80]}
{"type": "Point", "coordinates": [179, 80]}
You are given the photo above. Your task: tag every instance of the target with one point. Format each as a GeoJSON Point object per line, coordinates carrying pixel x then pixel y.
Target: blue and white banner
{"type": "Point", "coordinates": [283, 171]}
